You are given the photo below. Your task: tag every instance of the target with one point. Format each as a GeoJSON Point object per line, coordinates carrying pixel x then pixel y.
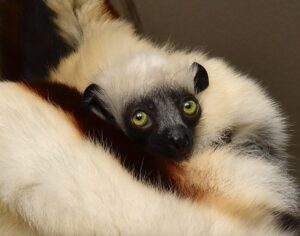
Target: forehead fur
{"type": "Point", "coordinates": [143, 73]}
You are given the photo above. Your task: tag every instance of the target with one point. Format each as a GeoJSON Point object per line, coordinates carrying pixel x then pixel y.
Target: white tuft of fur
{"type": "Point", "coordinates": [74, 17]}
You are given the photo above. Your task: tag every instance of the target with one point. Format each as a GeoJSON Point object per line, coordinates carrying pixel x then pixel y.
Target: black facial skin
{"type": "Point", "coordinates": [171, 130]}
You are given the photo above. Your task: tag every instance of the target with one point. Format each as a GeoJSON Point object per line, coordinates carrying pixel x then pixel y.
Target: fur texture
{"type": "Point", "coordinates": [237, 176]}
{"type": "Point", "coordinates": [57, 182]}
{"type": "Point", "coordinates": [235, 108]}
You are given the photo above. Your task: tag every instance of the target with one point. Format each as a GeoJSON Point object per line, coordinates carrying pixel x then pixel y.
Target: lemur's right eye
{"type": "Point", "coordinates": [140, 119]}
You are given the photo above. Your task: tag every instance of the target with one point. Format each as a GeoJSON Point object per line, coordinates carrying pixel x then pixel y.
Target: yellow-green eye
{"type": "Point", "coordinates": [190, 107]}
{"type": "Point", "coordinates": [140, 119]}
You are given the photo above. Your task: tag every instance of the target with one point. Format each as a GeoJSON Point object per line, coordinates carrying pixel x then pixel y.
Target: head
{"type": "Point", "coordinates": [162, 118]}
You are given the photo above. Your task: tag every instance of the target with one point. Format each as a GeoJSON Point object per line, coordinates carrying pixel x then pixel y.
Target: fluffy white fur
{"type": "Point", "coordinates": [55, 182]}
{"type": "Point", "coordinates": [58, 183]}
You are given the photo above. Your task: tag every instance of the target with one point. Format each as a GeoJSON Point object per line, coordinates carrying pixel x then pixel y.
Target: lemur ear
{"type": "Point", "coordinates": [92, 101]}
{"type": "Point", "coordinates": [201, 77]}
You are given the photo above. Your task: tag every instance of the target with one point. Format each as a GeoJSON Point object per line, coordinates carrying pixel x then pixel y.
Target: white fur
{"type": "Point", "coordinates": [55, 182]}
{"type": "Point", "coordinates": [60, 184]}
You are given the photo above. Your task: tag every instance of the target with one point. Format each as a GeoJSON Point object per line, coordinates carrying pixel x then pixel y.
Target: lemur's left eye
{"type": "Point", "coordinates": [190, 107]}
{"type": "Point", "coordinates": [140, 119]}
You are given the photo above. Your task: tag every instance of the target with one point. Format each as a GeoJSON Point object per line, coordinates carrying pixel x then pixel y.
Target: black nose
{"type": "Point", "coordinates": [179, 139]}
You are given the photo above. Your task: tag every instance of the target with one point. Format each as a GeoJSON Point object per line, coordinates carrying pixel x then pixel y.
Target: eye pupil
{"type": "Point", "coordinates": [139, 116]}
{"type": "Point", "coordinates": [187, 105]}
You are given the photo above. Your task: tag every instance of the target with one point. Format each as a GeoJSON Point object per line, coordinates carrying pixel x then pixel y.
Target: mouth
{"type": "Point", "coordinates": [175, 155]}
{"type": "Point", "coordinates": [180, 155]}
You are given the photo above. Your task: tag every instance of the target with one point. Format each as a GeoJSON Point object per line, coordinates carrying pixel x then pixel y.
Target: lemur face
{"type": "Point", "coordinates": [162, 120]}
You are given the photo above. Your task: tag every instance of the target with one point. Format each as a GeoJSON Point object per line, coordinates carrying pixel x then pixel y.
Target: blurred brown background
{"type": "Point", "coordinates": [259, 37]}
